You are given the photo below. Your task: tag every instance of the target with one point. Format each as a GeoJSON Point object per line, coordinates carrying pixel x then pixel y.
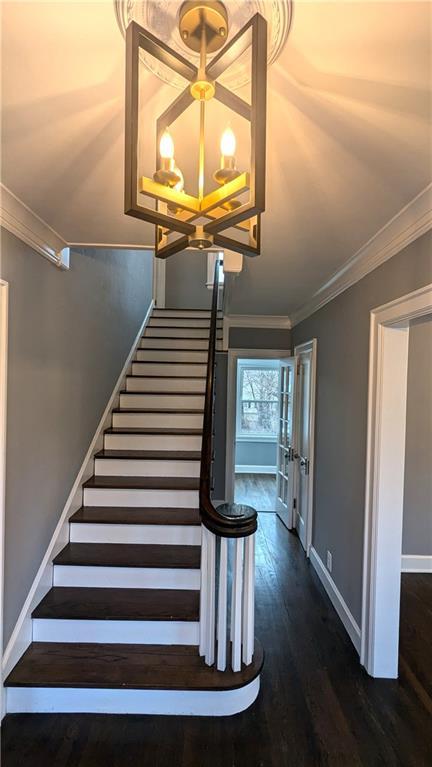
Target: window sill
{"type": "Point", "coordinates": [256, 438]}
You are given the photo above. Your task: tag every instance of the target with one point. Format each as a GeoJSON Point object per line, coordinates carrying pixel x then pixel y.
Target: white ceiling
{"type": "Point", "coordinates": [348, 132]}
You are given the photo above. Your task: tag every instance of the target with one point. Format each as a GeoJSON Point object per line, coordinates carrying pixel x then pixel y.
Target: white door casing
{"type": "Point", "coordinates": [385, 464]}
{"type": "Point", "coordinates": [286, 441]}
{"type": "Point", "coordinates": [3, 411]}
{"type": "Point", "coordinates": [305, 441]}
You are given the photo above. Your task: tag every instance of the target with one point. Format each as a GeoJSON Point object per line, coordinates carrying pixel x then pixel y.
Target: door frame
{"type": "Point", "coordinates": [308, 346]}
{"type": "Point", "coordinates": [233, 356]}
{"type": "Point", "coordinates": [290, 523]}
{"type": "Point", "coordinates": [384, 491]}
{"type": "Point", "coordinates": [4, 299]}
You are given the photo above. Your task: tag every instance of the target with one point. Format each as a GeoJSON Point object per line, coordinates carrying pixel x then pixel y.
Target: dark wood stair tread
{"type": "Point", "coordinates": [74, 603]}
{"type": "Point", "coordinates": [125, 666]}
{"type": "Point", "coordinates": [125, 515]}
{"type": "Point", "coordinates": [144, 483]}
{"type": "Point", "coordinates": [168, 455]}
{"type": "Point", "coordinates": [129, 555]}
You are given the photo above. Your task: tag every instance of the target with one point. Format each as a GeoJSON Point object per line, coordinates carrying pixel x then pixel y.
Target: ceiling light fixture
{"type": "Point", "coordinates": [228, 215]}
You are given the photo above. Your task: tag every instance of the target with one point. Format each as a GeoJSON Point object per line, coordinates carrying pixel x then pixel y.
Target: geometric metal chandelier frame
{"type": "Point", "coordinates": [212, 209]}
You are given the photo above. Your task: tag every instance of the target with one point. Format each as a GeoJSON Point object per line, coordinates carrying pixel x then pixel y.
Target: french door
{"type": "Point", "coordinates": [285, 455]}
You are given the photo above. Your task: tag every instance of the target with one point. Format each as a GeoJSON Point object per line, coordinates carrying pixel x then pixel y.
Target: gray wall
{"type": "Point", "coordinates": [69, 335]}
{"type": "Point", "coordinates": [342, 330]}
{"type": "Point", "coordinates": [255, 453]}
{"type": "Point", "coordinates": [186, 277]}
{"type": "Point", "coordinates": [417, 522]}
{"type": "Point", "coordinates": [259, 338]}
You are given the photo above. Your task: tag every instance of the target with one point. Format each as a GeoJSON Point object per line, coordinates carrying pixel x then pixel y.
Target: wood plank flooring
{"type": "Point", "coordinates": [257, 490]}
{"type": "Point", "coordinates": [316, 708]}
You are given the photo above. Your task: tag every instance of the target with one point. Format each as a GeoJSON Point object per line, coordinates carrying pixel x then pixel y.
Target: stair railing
{"type": "Point", "coordinates": [228, 538]}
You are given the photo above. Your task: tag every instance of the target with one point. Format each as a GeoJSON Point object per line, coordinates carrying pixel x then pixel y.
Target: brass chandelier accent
{"type": "Point", "coordinates": [216, 218]}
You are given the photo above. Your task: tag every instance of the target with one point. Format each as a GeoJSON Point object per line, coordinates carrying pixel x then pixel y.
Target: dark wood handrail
{"type": "Point", "coordinates": [233, 523]}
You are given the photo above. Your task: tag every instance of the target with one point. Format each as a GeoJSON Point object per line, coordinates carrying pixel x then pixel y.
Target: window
{"type": "Point", "coordinates": [257, 400]}
{"type": "Point", "coordinates": [211, 260]}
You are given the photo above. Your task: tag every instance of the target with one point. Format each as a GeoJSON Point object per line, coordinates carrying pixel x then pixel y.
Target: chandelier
{"type": "Point", "coordinates": [224, 210]}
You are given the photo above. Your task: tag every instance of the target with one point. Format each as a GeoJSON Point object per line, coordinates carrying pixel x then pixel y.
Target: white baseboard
{"type": "Point", "coordinates": [22, 634]}
{"type": "Point", "coordinates": [336, 599]}
{"type": "Point", "coordinates": [255, 469]}
{"type": "Point", "coordinates": [413, 563]}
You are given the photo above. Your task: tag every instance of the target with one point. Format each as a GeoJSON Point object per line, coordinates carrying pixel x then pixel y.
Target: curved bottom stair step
{"type": "Point", "coordinates": [127, 679]}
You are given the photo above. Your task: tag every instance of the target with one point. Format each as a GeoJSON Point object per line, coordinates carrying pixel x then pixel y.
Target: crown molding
{"type": "Point", "coordinates": [21, 221]}
{"type": "Point", "coordinates": [411, 222]}
{"type": "Point", "coordinates": [274, 321]}
{"type": "Point", "coordinates": [111, 245]}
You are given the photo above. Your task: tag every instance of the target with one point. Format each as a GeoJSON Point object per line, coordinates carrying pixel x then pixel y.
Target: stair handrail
{"type": "Point", "coordinates": [233, 523]}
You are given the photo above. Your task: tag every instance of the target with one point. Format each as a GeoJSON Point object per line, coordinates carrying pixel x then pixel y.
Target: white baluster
{"type": "Point", "coordinates": [222, 605]}
{"type": "Point", "coordinates": [236, 614]}
{"type": "Point", "coordinates": [203, 593]}
{"type": "Point", "coordinates": [211, 598]}
{"type": "Point", "coordinates": [249, 600]}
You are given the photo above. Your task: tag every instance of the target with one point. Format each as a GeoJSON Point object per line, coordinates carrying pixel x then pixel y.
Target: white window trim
{"type": "Point", "coordinates": [251, 436]}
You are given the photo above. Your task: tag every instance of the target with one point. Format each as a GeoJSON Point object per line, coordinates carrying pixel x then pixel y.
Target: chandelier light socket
{"type": "Point", "coordinates": [166, 174]}
{"type": "Point", "coordinates": [227, 171]}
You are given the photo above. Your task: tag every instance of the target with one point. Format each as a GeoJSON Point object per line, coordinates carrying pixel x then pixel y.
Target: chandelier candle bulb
{"type": "Point", "coordinates": [228, 143]}
{"type": "Point", "coordinates": [166, 146]}
{"type": "Point", "coordinates": [227, 171]}
{"type": "Point", "coordinates": [167, 174]}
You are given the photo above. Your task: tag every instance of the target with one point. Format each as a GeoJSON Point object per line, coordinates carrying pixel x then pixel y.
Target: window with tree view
{"type": "Point", "coordinates": [258, 401]}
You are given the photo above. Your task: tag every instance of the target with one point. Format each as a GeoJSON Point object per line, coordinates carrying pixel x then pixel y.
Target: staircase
{"type": "Point", "coordinates": [119, 631]}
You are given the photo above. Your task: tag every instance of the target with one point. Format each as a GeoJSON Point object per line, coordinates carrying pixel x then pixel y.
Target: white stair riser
{"type": "Point", "coordinates": [184, 499]}
{"type": "Point", "coordinates": [143, 401]}
{"type": "Point", "coordinates": [169, 355]}
{"type": "Point", "coordinates": [167, 370]}
{"type": "Point", "coordinates": [112, 632]}
{"type": "Point", "coordinates": [126, 577]}
{"type": "Point", "coordinates": [185, 313]}
{"type": "Point", "coordinates": [139, 467]}
{"type": "Point", "coordinates": [183, 322]}
{"type": "Point", "coordinates": [152, 442]}
{"type": "Point", "coordinates": [185, 385]}
{"type": "Point", "coordinates": [174, 343]}
{"type": "Point", "coordinates": [157, 420]}
{"type": "Point", "coordinates": [181, 535]}
{"type": "Point", "coordinates": [74, 700]}
{"type": "Point", "coordinates": [178, 332]}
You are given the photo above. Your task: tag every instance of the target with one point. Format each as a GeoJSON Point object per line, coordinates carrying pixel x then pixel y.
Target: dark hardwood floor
{"type": "Point", "coordinates": [257, 490]}
{"type": "Point", "coordinates": [316, 706]}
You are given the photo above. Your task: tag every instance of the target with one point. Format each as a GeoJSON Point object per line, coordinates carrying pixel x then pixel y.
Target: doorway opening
{"type": "Point", "coordinates": [270, 434]}
{"type": "Point", "coordinates": [386, 481]}
{"type": "Point", "coordinates": [256, 432]}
